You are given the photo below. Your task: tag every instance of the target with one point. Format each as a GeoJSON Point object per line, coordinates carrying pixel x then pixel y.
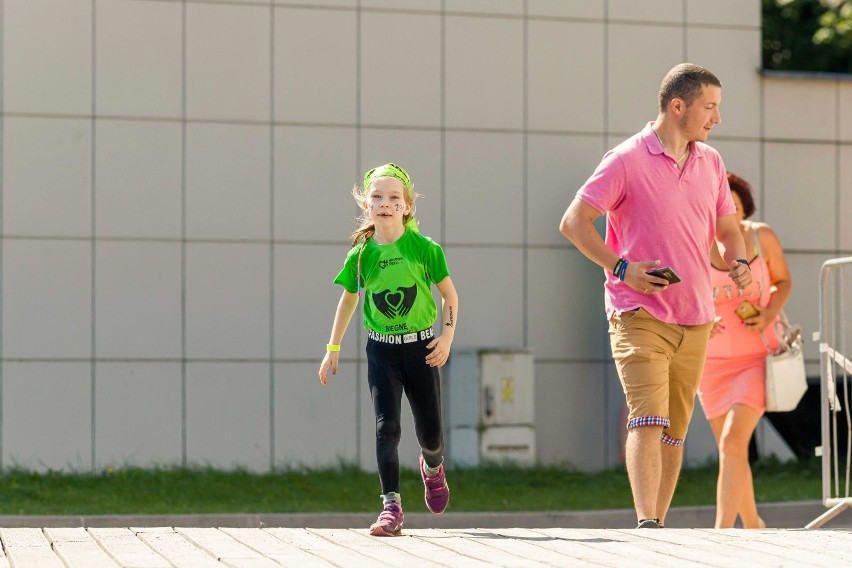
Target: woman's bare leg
{"type": "Point", "coordinates": [735, 488]}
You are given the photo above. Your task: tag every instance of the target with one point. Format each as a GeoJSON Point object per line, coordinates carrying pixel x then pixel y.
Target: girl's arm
{"type": "Point", "coordinates": [345, 308]}
{"type": "Point", "coordinates": [440, 346]}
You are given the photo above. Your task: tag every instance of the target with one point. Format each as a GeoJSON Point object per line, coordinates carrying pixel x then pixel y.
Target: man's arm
{"type": "Point", "coordinates": [578, 226]}
{"type": "Point", "coordinates": [729, 235]}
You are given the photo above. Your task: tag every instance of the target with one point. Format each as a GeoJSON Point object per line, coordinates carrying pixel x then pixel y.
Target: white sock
{"type": "Point", "coordinates": [391, 496]}
{"type": "Point", "coordinates": [432, 471]}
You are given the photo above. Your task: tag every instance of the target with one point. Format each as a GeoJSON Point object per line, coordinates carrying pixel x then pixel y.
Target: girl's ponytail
{"type": "Point", "coordinates": [366, 228]}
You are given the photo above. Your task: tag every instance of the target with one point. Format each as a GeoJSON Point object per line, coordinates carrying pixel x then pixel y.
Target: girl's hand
{"type": "Point", "coordinates": [440, 347]}
{"type": "Point", "coordinates": [329, 361]}
{"type": "Point", "coordinates": [718, 326]}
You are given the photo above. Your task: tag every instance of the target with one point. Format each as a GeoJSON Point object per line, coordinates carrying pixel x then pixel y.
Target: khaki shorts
{"type": "Point", "coordinates": [660, 365]}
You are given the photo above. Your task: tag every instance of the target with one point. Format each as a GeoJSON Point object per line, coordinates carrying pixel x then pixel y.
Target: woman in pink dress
{"type": "Point", "coordinates": [732, 390]}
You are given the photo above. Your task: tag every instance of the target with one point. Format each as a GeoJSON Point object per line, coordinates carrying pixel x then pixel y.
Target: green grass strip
{"type": "Point", "coordinates": [348, 489]}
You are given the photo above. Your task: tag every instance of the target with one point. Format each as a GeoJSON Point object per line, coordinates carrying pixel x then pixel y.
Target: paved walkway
{"type": "Point", "coordinates": [165, 547]}
{"type": "Point", "coordinates": [577, 538]}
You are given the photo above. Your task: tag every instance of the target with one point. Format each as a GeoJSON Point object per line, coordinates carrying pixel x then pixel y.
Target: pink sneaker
{"type": "Point", "coordinates": [390, 520]}
{"type": "Point", "coordinates": [437, 492]}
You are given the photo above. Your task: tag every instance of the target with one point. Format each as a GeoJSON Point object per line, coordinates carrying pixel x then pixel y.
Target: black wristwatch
{"type": "Point", "coordinates": [744, 261]}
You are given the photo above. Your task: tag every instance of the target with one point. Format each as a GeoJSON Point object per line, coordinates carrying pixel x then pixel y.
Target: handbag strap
{"type": "Point", "coordinates": [782, 321]}
{"type": "Point", "coordinates": [755, 236]}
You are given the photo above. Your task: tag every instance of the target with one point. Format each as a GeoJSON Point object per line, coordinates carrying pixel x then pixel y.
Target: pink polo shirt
{"type": "Point", "coordinates": [656, 211]}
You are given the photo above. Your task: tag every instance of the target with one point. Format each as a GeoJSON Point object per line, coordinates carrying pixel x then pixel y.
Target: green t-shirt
{"type": "Point", "coordinates": [397, 282]}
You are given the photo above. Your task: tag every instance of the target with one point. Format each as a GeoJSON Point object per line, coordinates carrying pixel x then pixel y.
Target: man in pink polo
{"type": "Point", "coordinates": [666, 197]}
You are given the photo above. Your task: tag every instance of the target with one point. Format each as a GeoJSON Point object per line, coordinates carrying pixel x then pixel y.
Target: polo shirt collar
{"type": "Point", "coordinates": [654, 146]}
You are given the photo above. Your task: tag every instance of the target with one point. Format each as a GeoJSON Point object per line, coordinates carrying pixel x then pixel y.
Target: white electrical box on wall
{"type": "Point", "coordinates": [491, 407]}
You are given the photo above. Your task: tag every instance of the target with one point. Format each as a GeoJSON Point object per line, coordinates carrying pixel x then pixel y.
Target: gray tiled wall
{"type": "Point", "coordinates": [175, 203]}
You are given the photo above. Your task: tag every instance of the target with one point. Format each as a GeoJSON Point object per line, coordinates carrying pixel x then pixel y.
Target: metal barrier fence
{"type": "Point", "coordinates": [835, 347]}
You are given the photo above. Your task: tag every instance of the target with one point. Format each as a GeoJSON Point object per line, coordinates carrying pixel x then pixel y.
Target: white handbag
{"type": "Point", "coordinates": [786, 381]}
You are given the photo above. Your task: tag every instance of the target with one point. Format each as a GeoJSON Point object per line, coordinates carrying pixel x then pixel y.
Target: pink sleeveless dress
{"type": "Point", "coordinates": [735, 369]}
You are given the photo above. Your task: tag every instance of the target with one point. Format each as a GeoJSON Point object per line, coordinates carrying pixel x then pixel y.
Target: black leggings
{"type": "Point", "coordinates": [391, 370]}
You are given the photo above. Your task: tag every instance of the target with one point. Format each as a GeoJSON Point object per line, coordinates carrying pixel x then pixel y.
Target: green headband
{"type": "Point", "coordinates": [388, 170]}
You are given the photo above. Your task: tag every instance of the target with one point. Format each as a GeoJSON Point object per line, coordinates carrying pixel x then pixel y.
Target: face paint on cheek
{"type": "Point", "coordinates": [398, 207]}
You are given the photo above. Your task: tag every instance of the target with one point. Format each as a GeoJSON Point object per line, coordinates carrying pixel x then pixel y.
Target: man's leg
{"type": "Point", "coordinates": [672, 457]}
{"type": "Point", "coordinates": [644, 468]}
{"type": "Point", "coordinates": [642, 348]}
{"type": "Point", "coordinates": [685, 371]}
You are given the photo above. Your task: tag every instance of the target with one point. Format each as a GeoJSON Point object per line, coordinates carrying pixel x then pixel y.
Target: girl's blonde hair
{"type": "Point", "coordinates": [366, 228]}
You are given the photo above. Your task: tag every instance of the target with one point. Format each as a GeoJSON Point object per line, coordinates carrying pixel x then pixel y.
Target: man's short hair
{"type": "Point", "coordinates": [685, 82]}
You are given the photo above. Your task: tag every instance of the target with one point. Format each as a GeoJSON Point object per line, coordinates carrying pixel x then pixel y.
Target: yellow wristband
{"type": "Point", "coordinates": [332, 347]}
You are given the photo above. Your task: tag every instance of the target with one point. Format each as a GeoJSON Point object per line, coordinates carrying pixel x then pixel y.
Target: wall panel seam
{"type": "Point", "coordinates": [93, 247]}
{"type": "Point", "coordinates": [2, 227]}
{"type": "Point", "coordinates": [272, 303]}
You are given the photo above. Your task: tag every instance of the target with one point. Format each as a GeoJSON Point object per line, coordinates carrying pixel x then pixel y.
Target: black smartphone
{"type": "Point", "coordinates": [665, 272]}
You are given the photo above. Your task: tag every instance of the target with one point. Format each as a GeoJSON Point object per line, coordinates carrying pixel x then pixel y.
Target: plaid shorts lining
{"type": "Point", "coordinates": [671, 441]}
{"type": "Point", "coordinates": [649, 421]}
